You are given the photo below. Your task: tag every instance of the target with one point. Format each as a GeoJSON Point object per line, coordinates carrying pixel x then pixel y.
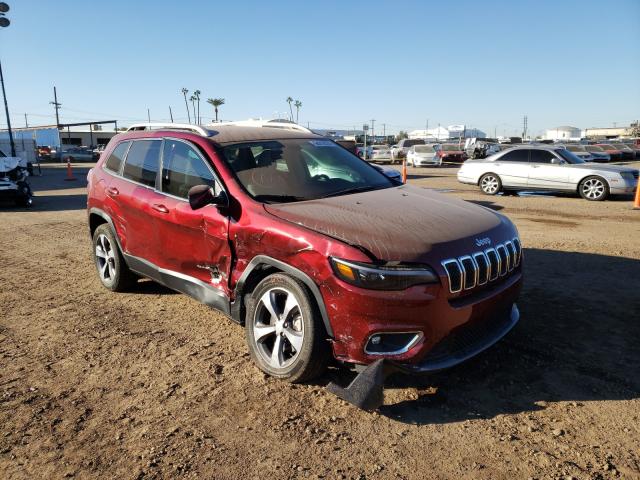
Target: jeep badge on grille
{"type": "Point", "coordinates": [483, 241]}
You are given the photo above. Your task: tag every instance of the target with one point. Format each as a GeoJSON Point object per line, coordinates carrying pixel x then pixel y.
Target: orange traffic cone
{"type": "Point", "coordinates": [69, 172]}
{"type": "Point", "coordinates": [636, 202]}
{"type": "Point", "coordinates": [404, 171]}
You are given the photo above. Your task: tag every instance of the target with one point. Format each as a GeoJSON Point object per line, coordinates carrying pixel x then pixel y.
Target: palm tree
{"type": "Point", "coordinates": [215, 102]}
{"type": "Point", "coordinates": [184, 92]}
{"type": "Point", "coordinates": [289, 100]}
{"type": "Point", "coordinates": [197, 93]}
{"type": "Point", "coordinates": [298, 104]}
{"type": "Point", "coordinates": [193, 104]}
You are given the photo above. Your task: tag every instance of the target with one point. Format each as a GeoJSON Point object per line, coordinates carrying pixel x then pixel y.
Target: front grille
{"type": "Point", "coordinates": [478, 268]}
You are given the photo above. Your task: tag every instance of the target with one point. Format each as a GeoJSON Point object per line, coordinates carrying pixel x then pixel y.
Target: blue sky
{"type": "Point", "coordinates": [485, 64]}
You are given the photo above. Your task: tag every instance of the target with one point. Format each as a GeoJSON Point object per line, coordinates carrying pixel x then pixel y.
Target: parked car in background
{"type": "Point", "coordinates": [481, 147]}
{"type": "Point", "coordinates": [628, 153]}
{"type": "Point", "coordinates": [44, 152]}
{"type": "Point", "coordinates": [360, 151]}
{"type": "Point", "coordinates": [598, 153]}
{"type": "Point", "coordinates": [424, 155]}
{"type": "Point", "coordinates": [380, 153]}
{"type": "Point", "coordinates": [400, 150]}
{"type": "Point", "coordinates": [614, 152]}
{"type": "Point", "coordinates": [451, 153]}
{"type": "Point", "coordinates": [634, 146]}
{"type": "Point", "coordinates": [580, 151]}
{"type": "Point", "coordinates": [333, 277]}
{"type": "Point", "coordinates": [78, 154]}
{"type": "Point", "coordinates": [547, 168]}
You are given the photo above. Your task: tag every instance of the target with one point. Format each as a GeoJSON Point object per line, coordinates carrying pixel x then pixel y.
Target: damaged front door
{"type": "Point", "coordinates": [194, 243]}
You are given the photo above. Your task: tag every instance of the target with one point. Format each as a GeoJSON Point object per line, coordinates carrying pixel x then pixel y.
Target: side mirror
{"type": "Point", "coordinates": [202, 195]}
{"type": "Point", "coordinates": [557, 161]}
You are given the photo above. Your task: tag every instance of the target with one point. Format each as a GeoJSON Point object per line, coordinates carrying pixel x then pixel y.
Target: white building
{"type": "Point", "coordinates": [447, 133]}
{"type": "Point", "coordinates": [563, 133]}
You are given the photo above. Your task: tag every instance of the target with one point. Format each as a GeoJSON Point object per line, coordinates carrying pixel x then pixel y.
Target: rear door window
{"type": "Point", "coordinates": [541, 156]}
{"type": "Point", "coordinates": [142, 162]}
{"type": "Point", "coordinates": [114, 161]}
{"type": "Point", "coordinates": [520, 155]}
{"type": "Point", "coordinates": [183, 168]}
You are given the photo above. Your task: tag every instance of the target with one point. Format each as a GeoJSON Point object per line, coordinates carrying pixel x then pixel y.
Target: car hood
{"type": "Point", "coordinates": [405, 223]}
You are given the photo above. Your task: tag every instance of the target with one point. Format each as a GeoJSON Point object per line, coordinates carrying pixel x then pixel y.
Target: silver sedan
{"type": "Point", "coordinates": [547, 168]}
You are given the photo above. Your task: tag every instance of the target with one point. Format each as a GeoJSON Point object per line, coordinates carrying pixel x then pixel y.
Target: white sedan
{"type": "Point", "coordinates": [380, 153]}
{"type": "Point", "coordinates": [422, 155]}
{"type": "Point", "coordinates": [547, 168]}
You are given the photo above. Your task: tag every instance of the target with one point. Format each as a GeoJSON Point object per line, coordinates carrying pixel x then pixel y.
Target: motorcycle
{"type": "Point", "coordinates": [13, 181]}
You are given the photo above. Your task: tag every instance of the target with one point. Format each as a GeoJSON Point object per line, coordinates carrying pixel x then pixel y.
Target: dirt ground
{"type": "Point", "coordinates": [151, 384]}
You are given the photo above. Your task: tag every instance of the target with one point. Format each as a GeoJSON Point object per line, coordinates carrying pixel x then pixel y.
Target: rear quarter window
{"type": "Point", "coordinates": [142, 162]}
{"type": "Point", "coordinates": [114, 161]}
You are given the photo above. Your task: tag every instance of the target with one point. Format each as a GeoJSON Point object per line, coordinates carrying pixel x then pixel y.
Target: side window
{"type": "Point", "coordinates": [183, 168]}
{"type": "Point", "coordinates": [517, 155]}
{"type": "Point", "coordinates": [142, 162]}
{"type": "Point", "coordinates": [114, 161]}
{"type": "Point", "coordinates": [541, 156]}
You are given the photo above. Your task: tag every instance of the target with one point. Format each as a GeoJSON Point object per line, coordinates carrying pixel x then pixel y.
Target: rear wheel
{"type": "Point", "coordinates": [490, 184]}
{"type": "Point", "coordinates": [594, 189]}
{"type": "Point", "coordinates": [284, 331]}
{"type": "Point", "coordinates": [112, 269]}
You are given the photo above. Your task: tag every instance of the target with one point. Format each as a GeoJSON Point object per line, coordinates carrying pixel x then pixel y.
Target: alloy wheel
{"type": "Point", "coordinates": [278, 329]}
{"type": "Point", "coordinates": [489, 184]}
{"type": "Point", "coordinates": [593, 188]}
{"type": "Point", "coordinates": [105, 256]}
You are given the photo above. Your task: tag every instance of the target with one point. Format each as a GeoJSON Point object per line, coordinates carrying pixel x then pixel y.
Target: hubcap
{"type": "Point", "coordinates": [490, 184]}
{"type": "Point", "coordinates": [278, 329]}
{"type": "Point", "coordinates": [593, 188]}
{"type": "Point", "coordinates": [106, 259]}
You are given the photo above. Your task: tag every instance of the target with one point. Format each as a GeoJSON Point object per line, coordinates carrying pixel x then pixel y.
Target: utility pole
{"type": "Point", "coordinates": [4, 22]}
{"type": "Point", "coordinates": [148, 116]}
{"type": "Point", "coordinates": [373, 131]}
{"type": "Point", "coordinates": [57, 106]}
{"type": "Point", "coordinates": [26, 121]}
{"type": "Point", "coordinates": [170, 114]}
{"type": "Point", "coordinates": [384, 131]}
{"type": "Point", "coordinates": [524, 128]}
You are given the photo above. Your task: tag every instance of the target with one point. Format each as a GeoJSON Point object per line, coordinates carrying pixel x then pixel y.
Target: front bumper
{"type": "Point", "coordinates": [623, 188]}
{"type": "Point", "coordinates": [366, 391]}
{"type": "Point", "coordinates": [463, 344]}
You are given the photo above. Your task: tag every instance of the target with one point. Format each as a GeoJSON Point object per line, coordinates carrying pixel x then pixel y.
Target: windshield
{"type": "Point", "coordinates": [450, 148]}
{"type": "Point", "coordinates": [411, 143]}
{"type": "Point", "coordinates": [424, 148]}
{"type": "Point", "coordinates": [380, 147]}
{"type": "Point", "coordinates": [277, 171]}
{"type": "Point", "coordinates": [608, 147]}
{"type": "Point", "coordinates": [570, 157]}
{"type": "Point", "coordinates": [593, 148]}
{"type": "Point", "coordinates": [575, 148]}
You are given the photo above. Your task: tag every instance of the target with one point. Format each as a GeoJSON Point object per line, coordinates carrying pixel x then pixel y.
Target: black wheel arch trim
{"type": "Point", "coordinates": [261, 260]}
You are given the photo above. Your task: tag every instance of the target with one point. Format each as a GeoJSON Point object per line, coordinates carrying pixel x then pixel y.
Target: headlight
{"type": "Point", "coordinates": [378, 277]}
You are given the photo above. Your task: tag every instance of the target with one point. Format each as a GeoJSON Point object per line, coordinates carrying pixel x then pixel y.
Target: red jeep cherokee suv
{"type": "Point", "coordinates": [314, 250]}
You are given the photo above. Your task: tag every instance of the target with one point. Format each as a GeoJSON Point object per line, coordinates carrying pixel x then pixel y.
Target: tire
{"type": "Point", "coordinates": [594, 189]}
{"type": "Point", "coordinates": [113, 272]}
{"type": "Point", "coordinates": [490, 184]}
{"type": "Point", "coordinates": [301, 327]}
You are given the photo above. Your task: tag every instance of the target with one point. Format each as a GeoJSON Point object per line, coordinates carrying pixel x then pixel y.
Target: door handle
{"type": "Point", "coordinates": [113, 192]}
{"type": "Point", "coordinates": [535, 166]}
{"type": "Point", "coordinates": [158, 207]}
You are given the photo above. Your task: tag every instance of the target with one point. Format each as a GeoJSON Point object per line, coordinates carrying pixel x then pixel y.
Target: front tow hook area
{"type": "Point", "coordinates": [366, 391]}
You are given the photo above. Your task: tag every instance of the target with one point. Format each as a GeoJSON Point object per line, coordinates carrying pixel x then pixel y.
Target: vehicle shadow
{"type": "Point", "coordinates": [577, 341]}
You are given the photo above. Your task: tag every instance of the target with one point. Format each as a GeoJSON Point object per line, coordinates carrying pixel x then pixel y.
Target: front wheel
{"type": "Point", "coordinates": [594, 189]}
{"type": "Point", "coordinates": [112, 269]}
{"type": "Point", "coordinates": [284, 331]}
{"type": "Point", "coordinates": [490, 184]}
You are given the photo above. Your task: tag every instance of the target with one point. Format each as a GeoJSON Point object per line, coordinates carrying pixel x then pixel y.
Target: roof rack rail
{"type": "Point", "coordinates": [170, 126]}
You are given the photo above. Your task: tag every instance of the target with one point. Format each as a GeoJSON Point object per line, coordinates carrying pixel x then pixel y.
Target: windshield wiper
{"type": "Point", "coordinates": [279, 198]}
{"type": "Point", "coordinates": [347, 191]}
